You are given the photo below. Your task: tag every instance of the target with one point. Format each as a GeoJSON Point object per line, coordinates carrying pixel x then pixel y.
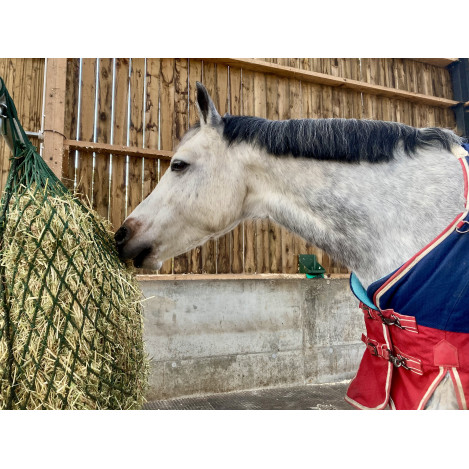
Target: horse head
{"type": "Point", "coordinates": [199, 198]}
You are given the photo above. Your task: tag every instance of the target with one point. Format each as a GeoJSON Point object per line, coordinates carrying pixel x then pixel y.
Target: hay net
{"type": "Point", "coordinates": [70, 311]}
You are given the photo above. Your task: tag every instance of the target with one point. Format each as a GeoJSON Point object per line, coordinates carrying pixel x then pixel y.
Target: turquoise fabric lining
{"type": "Point", "coordinates": [359, 291]}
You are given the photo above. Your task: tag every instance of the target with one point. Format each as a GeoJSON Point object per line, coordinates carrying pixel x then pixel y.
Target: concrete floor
{"type": "Point", "coordinates": [308, 397]}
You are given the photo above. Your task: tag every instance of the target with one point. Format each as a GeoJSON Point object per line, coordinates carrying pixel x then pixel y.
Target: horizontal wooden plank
{"type": "Point", "coordinates": [329, 80]}
{"type": "Point", "coordinates": [437, 62]}
{"type": "Point", "coordinates": [117, 149]}
{"type": "Point", "coordinates": [147, 278]}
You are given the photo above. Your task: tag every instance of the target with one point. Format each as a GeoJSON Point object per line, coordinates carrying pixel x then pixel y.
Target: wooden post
{"type": "Point", "coordinates": [54, 116]}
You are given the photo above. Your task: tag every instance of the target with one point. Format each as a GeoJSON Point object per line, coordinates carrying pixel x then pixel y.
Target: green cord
{"type": "Point", "coordinates": [29, 171]}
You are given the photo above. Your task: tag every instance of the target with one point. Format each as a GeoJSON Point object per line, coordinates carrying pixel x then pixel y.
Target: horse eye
{"type": "Point", "coordinates": [178, 165]}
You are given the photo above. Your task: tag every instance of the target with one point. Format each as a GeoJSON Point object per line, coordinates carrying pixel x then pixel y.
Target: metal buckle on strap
{"type": "Point", "coordinates": [397, 360]}
{"type": "Point", "coordinates": [392, 321]}
{"type": "Point", "coordinates": [396, 357]}
{"type": "Point", "coordinates": [372, 348]}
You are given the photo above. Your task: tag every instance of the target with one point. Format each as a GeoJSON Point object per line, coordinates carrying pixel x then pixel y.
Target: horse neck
{"type": "Point", "coordinates": [369, 217]}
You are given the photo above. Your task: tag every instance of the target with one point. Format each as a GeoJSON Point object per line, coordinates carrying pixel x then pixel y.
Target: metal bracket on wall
{"type": "Point", "coordinates": [459, 71]}
{"type": "Point", "coordinates": [39, 135]}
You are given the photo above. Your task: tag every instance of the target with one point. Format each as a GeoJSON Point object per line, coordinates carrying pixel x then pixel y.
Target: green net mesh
{"type": "Point", "coordinates": [70, 311]}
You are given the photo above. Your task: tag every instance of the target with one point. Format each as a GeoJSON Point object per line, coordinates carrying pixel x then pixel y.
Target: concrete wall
{"type": "Point", "coordinates": [225, 335]}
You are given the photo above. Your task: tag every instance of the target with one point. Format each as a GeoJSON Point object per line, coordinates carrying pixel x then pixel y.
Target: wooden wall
{"type": "Point", "coordinates": [150, 103]}
{"type": "Point", "coordinates": [24, 79]}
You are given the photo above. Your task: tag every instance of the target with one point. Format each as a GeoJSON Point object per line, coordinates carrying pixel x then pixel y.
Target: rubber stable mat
{"type": "Point", "coordinates": [308, 397]}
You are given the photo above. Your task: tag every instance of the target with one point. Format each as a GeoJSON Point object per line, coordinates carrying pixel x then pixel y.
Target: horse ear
{"type": "Point", "coordinates": [208, 113]}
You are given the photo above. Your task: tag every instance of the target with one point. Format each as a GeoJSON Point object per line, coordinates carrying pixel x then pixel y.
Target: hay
{"type": "Point", "coordinates": [71, 321]}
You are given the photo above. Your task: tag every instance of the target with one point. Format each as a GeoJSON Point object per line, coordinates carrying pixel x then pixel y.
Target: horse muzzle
{"type": "Point", "coordinates": [128, 248]}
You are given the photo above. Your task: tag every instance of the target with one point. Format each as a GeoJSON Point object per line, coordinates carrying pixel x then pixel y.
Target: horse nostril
{"type": "Point", "coordinates": [121, 235]}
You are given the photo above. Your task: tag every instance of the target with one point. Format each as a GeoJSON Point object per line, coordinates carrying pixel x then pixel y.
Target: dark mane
{"type": "Point", "coordinates": [348, 140]}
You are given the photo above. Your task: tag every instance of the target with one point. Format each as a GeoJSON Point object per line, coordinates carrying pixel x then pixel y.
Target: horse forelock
{"type": "Point", "coordinates": [346, 140]}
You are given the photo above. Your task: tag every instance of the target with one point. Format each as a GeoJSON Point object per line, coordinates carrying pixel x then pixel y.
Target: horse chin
{"type": "Point", "coordinates": [151, 263]}
{"type": "Point", "coordinates": [147, 262]}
